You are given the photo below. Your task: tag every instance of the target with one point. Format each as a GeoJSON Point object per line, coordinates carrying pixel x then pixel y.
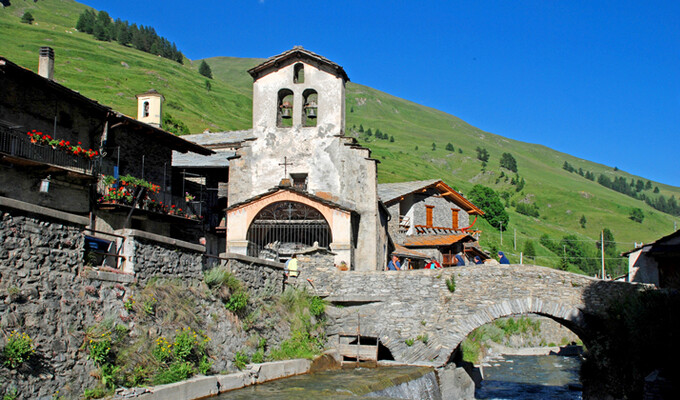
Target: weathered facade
{"type": "Point", "coordinates": [431, 217]}
{"type": "Point", "coordinates": [57, 145]}
{"type": "Point", "coordinates": [298, 140]}
{"type": "Point", "coordinates": [657, 262]}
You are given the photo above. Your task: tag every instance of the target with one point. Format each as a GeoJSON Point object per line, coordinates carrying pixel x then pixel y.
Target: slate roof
{"type": "Point", "coordinates": [220, 159]}
{"type": "Point", "coordinates": [294, 190]}
{"type": "Point", "coordinates": [391, 192]}
{"type": "Point", "coordinates": [220, 139]}
{"type": "Point", "coordinates": [402, 251]}
{"type": "Point", "coordinates": [435, 240]}
{"type": "Point", "coordinates": [295, 54]}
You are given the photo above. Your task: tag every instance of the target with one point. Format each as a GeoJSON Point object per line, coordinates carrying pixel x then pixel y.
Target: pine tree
{"type": "Point", "coordinates": [392, 140]}
{"type": "Point", "coordinates": [449, 147]}
{"type": "Point", "coordinates": [86, 21]}
{"type": "Point", "coordinates": [509, 162]}
{"type": "Point", "coordinates": [361, 128]}
{"type": "Point", "coordinates": [529, 250]}
{"type": "Point", "coordinates": [368, 132]}
{"type": "Point", "coordinates": [205, 70]}
{"type": "Point", "coordinates": [434, 146]}
{"type": "Point", "coordinates": [583, 221]}
{"type": "Point", "coordinates": [27, 18]}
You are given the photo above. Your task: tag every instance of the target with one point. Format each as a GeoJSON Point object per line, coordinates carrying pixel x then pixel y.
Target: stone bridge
{"type": "Point", "coordinates": [400, 305]}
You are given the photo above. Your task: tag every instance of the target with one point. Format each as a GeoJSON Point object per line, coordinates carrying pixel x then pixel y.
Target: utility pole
{"type": "Point", "coordinates": [602, 251]}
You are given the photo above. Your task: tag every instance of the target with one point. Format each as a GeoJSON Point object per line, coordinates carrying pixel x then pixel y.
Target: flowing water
{"type": "Point", "coordinates": [509, 377]}
{"type": "Point", "coordinates": [363, 383]}
{"type": "Point", "coordinates": [531, 378]}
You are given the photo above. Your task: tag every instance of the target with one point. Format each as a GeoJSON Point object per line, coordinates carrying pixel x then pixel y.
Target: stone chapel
{"type": "Point", "coordinates": [296, 181]}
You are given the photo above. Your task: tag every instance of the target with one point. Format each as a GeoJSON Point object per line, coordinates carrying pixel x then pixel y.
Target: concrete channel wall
{"type": "Point", "coordinates": [200, 387]}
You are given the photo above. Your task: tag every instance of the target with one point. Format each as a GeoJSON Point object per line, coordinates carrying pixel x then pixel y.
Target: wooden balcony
{"type": "Point", "coordinates": [18, 147]}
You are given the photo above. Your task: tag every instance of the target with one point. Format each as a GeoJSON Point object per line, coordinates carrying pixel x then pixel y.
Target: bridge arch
{"type": "Point", "coordinates": [567, 315]}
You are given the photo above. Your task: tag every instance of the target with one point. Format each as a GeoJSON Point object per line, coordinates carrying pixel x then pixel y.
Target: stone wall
{"type": "Point", "coordinates": [42, 295]}
{"type": "Point", "coordinates": [47, 293]}
{"type": "Point", "coordinates": [149, 255]}
{"type": "Point", "coordinates": [260, 276]}
{"type": "Point", "coordinates": [400, 305]}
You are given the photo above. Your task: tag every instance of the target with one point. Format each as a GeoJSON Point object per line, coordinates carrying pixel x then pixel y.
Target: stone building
{"type": "Point", "coordinates": [432, 218]}
{"type": "Point", "coordinates": [295, 178]}
{"type": "Point", "coordinates": [57, 147]}
{"type": "Point", "coordinates": [657, 262]}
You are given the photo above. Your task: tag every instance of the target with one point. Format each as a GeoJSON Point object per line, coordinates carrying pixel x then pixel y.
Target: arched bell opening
{"type": "Point", "coordinates": [284, 109]}
{"type": "Point", "coordinates": [287, 227]}
{"type": "Point", "coordinates": [311, 107]}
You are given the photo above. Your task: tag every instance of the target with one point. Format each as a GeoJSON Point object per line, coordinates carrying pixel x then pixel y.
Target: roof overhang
{"type": "Point", "coordinates": [294, 55]}
{"type": "Point", "coordinates": [436, 240]}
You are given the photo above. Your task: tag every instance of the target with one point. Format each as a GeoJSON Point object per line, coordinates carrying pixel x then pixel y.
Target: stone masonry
{"type": "Point", "coordinates": [400, 305]}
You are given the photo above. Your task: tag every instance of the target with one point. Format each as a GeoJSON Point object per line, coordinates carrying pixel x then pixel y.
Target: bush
{"type": "Point", "coordinates": [489, 201]}
{"type": "Point", "coordinates": [178, 371]}
{"type": "Point", "coordinates": [27, 18]}
{"type": "Point", "coordinates": [317, 306]}
{"type": "Point", "coordinates": [99, 349]}
{"type": "Point", "coordinates": [530, 210]}
{"type": "Point", "coordinates": [237, 302]}
{"type": "Point", "coordinates": [18, 350]}
{"type": "Point", "coordinates": [219, 276]}
{"type": "Point", "coordinates": [451, 283]}
{"type": "Point", "coordinates": [240, 360]}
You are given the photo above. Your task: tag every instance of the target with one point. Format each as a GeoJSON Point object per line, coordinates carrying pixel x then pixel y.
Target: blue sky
{"type": "Point", "coordinates": [596, 79]}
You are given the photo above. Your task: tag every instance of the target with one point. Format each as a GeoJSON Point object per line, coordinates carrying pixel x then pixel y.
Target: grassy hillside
{"type": "Point", "coordinates": [113, 74]}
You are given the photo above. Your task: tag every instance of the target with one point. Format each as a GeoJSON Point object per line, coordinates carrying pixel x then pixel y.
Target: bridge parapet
{"type": "Point", "coordinates": [401, 306]}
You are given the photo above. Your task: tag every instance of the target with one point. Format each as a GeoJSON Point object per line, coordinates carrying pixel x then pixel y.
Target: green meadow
{"type": "Point", "coordinates": [113, 74]}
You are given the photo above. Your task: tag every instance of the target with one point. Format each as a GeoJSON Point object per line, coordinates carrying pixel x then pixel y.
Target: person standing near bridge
{"type": "Point", "coordinates": [502, 258]}
{"type": "Point", "coordinates": [394, 264]}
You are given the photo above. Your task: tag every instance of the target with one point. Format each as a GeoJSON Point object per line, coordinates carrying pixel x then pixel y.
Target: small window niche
{"type": "Point", "coordinates": [299, 181]}
{"type": "Point", "coordinates": [299, 73]}
{"type": "Point", "coordinates": [284, 112]}
{"type": "Point", "coordinates": [146, 109]}
{"type": "Point", "coordinates": [310, 111]}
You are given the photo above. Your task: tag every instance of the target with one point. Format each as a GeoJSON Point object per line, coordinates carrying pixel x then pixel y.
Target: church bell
{"type": "Point", "coordinates": [310, 109]}
{"type": "Point", "coordinates": [286, 110]}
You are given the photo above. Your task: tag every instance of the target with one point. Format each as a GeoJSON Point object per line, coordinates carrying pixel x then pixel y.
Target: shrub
{"type": "Point", "coordinates": [178, 371]}
{"type": "Point", "coordinates": [240, 360]}
{"type": "Point", "coordinates": [237, 302]}
{"type": "Point", "coordinates": [27, 18]}
{"type": "Point", "coordinates": [451, 283]}
{"type": "Point", "coordinates": [409, 342]}
{"type": "Point", "coordinates": [530, 210]}
{"type": "Point", "coordinates": [317, 306]}
{"type": "Point", "coordinates": [219, 276]}
{"type": "Point", "coordinates": [100, 349]}
{"type": "Point", "coordinates": [18, 350]}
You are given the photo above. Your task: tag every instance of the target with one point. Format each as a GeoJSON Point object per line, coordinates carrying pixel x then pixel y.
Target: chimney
{"type": "Point", "coordinates": [46, 63]}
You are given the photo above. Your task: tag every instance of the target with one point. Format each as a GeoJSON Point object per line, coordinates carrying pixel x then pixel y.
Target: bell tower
{"type": "Point", "coordinates": [298, 90]}
{"type": "Point", "coordinates": [150, 108]}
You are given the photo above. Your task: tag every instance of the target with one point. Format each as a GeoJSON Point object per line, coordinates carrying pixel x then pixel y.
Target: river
{"type": "Point", "coordinates": [530, 378]}
{"type": "Point", "coordinates": [508, 377]}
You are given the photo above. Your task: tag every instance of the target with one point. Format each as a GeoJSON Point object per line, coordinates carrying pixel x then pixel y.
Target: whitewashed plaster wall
{"type": "Point", "coordinates": [336, 170]}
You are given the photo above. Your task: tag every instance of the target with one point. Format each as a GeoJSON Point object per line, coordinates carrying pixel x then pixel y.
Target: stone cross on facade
{"type": "Point", "coordinates": [285, 164]}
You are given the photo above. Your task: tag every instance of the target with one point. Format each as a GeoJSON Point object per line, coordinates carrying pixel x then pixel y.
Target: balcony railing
{"type": "Point", "coordinates": [19, 145]}
{"type": "Point", "coordinates": [158, 202]}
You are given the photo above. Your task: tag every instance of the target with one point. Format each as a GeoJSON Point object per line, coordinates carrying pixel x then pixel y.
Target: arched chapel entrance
{"type": "Point", "coordinates": [287, 227]}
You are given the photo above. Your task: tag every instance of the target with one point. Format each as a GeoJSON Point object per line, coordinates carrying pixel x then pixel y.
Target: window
{"type": "Point", "coordinates": [299, 73]}
{"type": "Point", "coordinates": [454, 218]}
{"type": "Point", "coordinates": [310, 109]}
{"type": "Point", "coordinates": [429, 210]}
{"type": "Point", "coordinates": [299, 181]}
{"type": "Point", "coordinates": [146, 109]}
{"type": "Point", "coordinates": [284, 109]}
